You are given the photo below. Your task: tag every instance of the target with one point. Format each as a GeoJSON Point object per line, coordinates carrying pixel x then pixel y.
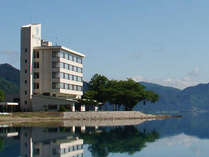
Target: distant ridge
{"type": "Point", "coordinates": [173, 99]}
{"type": "Point", "coordinates": [10, 73]}
{"type": "Point", "coordinates": [9, 79]}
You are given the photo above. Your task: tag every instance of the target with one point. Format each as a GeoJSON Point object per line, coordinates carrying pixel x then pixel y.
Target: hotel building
{"type": "Point", "coordinates": [50, 75]}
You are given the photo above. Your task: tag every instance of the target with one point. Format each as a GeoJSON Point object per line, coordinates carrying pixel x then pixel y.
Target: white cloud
{"type": "Point", "coordinates": [190, 79]}
{"type": "Point", "coordinates": [190, 142]}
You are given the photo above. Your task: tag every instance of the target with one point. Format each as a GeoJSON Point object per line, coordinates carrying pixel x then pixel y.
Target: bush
{"type": "Point", "coordinates": [62, 109]}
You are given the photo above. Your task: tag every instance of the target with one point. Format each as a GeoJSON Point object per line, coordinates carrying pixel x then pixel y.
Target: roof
{"type": "Point", "coordinates": [60, 47]}
{"type": "Point", "coordinates": [29, 25]}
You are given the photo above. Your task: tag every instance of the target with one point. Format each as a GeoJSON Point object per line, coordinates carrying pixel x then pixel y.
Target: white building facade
{"type": "Point", "coordinates": [53, 71]}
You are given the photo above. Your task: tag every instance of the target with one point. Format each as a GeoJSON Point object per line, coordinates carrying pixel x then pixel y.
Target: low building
{"type": "Point", "coordinates": [49, 70]}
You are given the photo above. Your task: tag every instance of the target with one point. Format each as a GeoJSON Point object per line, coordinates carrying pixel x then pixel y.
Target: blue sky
{"type": "Point", "coordinates": [159, 41]}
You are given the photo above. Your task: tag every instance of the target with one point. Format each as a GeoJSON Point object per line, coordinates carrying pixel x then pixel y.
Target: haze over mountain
{"type": "Point", "coordinates": [171, 99]}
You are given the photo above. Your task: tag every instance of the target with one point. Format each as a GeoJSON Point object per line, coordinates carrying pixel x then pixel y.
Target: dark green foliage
{"type": "Point", "coordinates": [62, 109]}
{"type": "Point", "coordinates": [120, 93]}
{"type": "Point", "coordinates": [2, 96]}
{"type": "Point", "coordinates": [98, 84]}
{"type": "Point", "coordinates": [8, 87]}
{"type": "Point", "coordinates": [118, 140]}
{"type": "Point", "coordinates": [9, 79]}
{"type": "Point", "coordinates": [9, 73]}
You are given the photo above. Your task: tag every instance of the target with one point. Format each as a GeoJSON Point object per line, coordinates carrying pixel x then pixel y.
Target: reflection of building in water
{"type": "Point", "coordinates": [40, 142]}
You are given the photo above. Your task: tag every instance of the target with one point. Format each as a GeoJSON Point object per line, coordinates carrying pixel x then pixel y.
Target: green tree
{"type": "Point", "coordinates": [98, 84]}
{"type": "Point", "coordinates": [126, 93]}
{"type": "Point", "coordinates": [2, 96]}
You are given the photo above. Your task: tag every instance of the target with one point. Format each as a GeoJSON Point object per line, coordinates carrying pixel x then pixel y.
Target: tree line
{"type": "Point", "coordinates": [121, 94]}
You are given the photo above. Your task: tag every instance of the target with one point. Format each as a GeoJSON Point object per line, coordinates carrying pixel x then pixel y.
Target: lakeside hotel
{"type": "Point", "coordinates": [51, 76]}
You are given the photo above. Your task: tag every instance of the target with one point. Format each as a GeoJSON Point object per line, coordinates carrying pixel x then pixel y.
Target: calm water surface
{"type": "Point", "coordinates": [185, 137]}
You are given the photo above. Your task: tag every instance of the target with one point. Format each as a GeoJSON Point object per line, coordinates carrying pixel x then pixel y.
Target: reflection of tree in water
{"type": "Point", "coordinates": [118, 140]}
{"type": "Point", "coordinates": [1, 143]}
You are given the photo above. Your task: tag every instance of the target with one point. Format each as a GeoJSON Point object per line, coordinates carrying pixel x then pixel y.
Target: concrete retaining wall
{"type": "Point", "coordinates": [106, 115]}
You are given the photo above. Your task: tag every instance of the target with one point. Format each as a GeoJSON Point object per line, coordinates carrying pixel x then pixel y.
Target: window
{"type": "Point", "coordinates": [79, 88]}
{"type": "Point", "coordinates": [26, 50]}
{"type": "Point", "coordinates": [71, 77]}
{"type": "Point", "coordinates": [26, 71]}
{"type": "Point", "coordinates": [36, 151]}
{"type": "Point", "coordinates": [55, 75]}
{"type": "Point", "coordinates": [79, 70]}
{"type": "Point", "coordinates": [76, 78]}
{"type": "Point", "coordinates": [36, 54]}
{"type": "Point", "coordinates": [26, 102]}
{"type": "Point", "coordinates": [54, 85]}
{"type": "Point", "coordinates": [62, 75]}
{"type": "Point", "coordinates": [36, 65]}
{"type": "Point", "coordinates": [80, 79]}
{"type": "Point", "coordinates": [36, 85]}
{"type": "Point", "coordinates": [70, 57]}
{"type": "Point", "coordinates": [55, 65]}
{"type": "Point", "coordinates": [61, 65]}
{"type": "Point", "coordinates": [55, 54]}
{"type": "Point", "coordinates": [62, 85]}
{"type": "Point", "coordinates": [54, 151]}
{"type": "Point", "coordinates": [69, 149]}
{"type": "Point", "coordinates": [65, 76]}
{"type": "Point", "coordinates": [25, 92]}
{"type": "Point", "coordinates": [70, 87]}
{"type": "Point", "coordinates": [65, 86]}
{"type": "Point", "coordinates": [25, 81]}
{"type": "Point", "coordinates": [66, 55]}
{"type": "Point", "coordinates": [26, 60]}
{"type": "Point", "coordinates": [36, 75]}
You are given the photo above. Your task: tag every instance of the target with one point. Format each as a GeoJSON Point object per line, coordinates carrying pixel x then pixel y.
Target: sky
{"type": "Point", "coordinates": [178, 145]}
{"type": "Point", "coordinates": [159, 41]}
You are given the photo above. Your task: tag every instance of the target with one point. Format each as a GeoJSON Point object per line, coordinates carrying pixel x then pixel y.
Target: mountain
{"type": "Point", "coordinates": [10, 73]}
{"type": "Point", "coordinates": [169, 99]}
{"type": "Point", "coordinates": [173, 99]}
{"type": "Point", "coordinates": [196, 96]}
{"type": "Point", "coordinates": [9, 80]}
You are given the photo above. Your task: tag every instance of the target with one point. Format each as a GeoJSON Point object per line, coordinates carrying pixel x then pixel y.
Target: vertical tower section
{"type": "Point", "coordinates": [30, 38]}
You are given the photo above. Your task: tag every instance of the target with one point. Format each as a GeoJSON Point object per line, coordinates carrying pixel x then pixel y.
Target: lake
{"type": "Point", "coordinates": [187, 136]}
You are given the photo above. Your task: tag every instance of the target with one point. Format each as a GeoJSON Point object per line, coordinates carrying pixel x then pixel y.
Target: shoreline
{"type": "Point", "coordinates": [102, 118]}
